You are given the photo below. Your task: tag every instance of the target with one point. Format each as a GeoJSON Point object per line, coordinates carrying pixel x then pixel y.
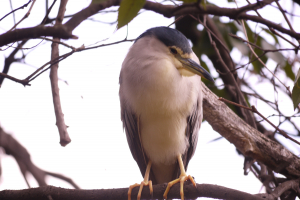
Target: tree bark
{"type": "Point", "coordinates": [202, 190]}
{"type": "Point", "coordinates": [246, 139]}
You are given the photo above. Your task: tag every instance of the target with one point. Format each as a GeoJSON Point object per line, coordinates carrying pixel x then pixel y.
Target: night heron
{"type": "Point", "coordinates": [161, 106]}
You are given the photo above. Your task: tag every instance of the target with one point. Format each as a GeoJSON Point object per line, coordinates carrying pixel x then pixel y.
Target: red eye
{"type": "Point", "coordinates": [174, 51]}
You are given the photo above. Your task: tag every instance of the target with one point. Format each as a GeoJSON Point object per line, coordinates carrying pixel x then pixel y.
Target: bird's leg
{"type": "Point", "coordinates": [144, 182]}
{"type": "Point", "coordinates": [182, 178]}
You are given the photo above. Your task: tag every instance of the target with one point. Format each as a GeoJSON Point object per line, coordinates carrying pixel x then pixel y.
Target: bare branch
{"type": "Point", "coordinates": [42, 69]}
{"type": "Point", "coordinates": [266, 50]}
{"type": "Point", "coordinates": [246, 115]}
{"type": "Point", "coordinates": [284, 15]}
{"type": "Point", "coordinates": [25, 16]}
{"type": "Point", "coordinates": [254, 110]}
{"type": "Point", "coordinates": [190, 192]}
{"type": "Point", "coordinates": [65, 31]}
{"type": "Point", "coordinates": [292, 184]}
{"type": "Point", "coordinates": [59, 42]}
{"type": "Point", "coordinates": [21, 7]}
{"type": "Point", "coordinates": [23, 82]}
{"type": "Point", "coordinates": [35, 32]}
{"type": "Point", "coordinates": [11, 58]}
{"type": "Point", "coordinates": [12, 147]}
{"type": "Point", "coordinates": [46, 18]}
{"type": "Point", "coordinates": [273, 31]}
{"type": "Point", "coordinates": [62, 177]}
{"type": "Point", "coordinates": [60, 121]}
{"type": "Point", "coordinates": [246, 139]}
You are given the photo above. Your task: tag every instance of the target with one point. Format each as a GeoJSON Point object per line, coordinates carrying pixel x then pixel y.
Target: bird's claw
{"type": "Point", "coordinates": [181, 179]}
{"type": "Point", "coordinates": [143, 183]}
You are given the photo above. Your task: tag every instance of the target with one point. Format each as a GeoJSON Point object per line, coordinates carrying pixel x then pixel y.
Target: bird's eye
{"type": "Point", "coordinates": [174, 51]}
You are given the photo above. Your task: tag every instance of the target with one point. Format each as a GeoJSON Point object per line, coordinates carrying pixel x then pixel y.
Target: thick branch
{"type": "Point", "coordinates": [202, 190]}
{"type": "Point", "coordinates": [246, 139]}
{"type": "Point", "coordinates": [233, 14]}
{"type": "Point", "coordinates": [35, 32]}
{"type": "Point", "coordinates": [89, 11]}
{"type": "Point", "coordinates": [65, 31]}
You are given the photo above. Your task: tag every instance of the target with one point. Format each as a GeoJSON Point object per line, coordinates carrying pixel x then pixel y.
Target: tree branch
{"type": "Point", "coordinates": [65, 31]}
{"type": "Point", "coordinates": [292, 184]}
{"type": "Point", "coordinates": [246, 139]}
{"type": "Point", "coordinates": [42, 69]}
{"type": "Point", "coordinates": [60, 121]}
{"type": "Point", "coordinates": [11, 58]}
{"type": "Point", "coordinates": [254, 110]}
{"type": "Point", "coordinates": [12, 147]}
{"type": "Point", "coordinates": [25, 16]}
{"type": "Point", "coordinates": [190, 192]}
{"type": "Point", "coordinates": [35, 32]}
{"type": "Point", "coordinates": [21, 7]}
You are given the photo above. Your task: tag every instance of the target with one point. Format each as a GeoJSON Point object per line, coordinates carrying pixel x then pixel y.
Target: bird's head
{"type": "Point", "coordinates": [178, 50]}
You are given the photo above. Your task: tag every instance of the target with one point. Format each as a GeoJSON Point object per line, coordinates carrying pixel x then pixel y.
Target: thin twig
{"type": "Point", "coordinates": [48, 12]}
{"type": "Point", "coordinates": [285, 17]}
{"type": "Point", "coordinates": [246, 115]}
{"type": "Point", "coordinates": [21, 7]}
{"type": "Point", "coordinates": [245, 32]}
{"type": "Point", "coordinates": [41, 69]}
{"type": "Point", "coordinates": [256, 46]}
{"type": "Point", "coordinates": [23, 82]}
{"type": "Point", "coordinates": [274, 31]}
{"type": "Point", "coordinates": [11, 7]}
{"type": "Point", "coordinates": [59, 42]}
{"type": "Point", "coordinates": [62, 177]}
{"type": "Point", "coordinates": [254, 110]}
{"type": "Point", "coordinates": [25, 16]}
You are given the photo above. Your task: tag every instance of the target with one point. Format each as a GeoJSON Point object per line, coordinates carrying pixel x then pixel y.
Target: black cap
{"type": "Point", "coordinates": [170, 37]}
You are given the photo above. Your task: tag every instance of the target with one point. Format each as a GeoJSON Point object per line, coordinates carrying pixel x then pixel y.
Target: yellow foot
{"type": "Point", "coordinates": [181, 179]}
{"type": "Point", "coordinates": [143, 183]}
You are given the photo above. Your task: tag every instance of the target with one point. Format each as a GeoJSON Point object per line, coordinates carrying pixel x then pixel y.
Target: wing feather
{"type": "Point", "coordinates": [131, 126]}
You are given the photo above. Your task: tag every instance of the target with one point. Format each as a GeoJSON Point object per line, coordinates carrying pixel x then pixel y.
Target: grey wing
{"type": "Point", "coordinates": [131, 126]}
{"type": "Point", "coordinates": [192, 130]}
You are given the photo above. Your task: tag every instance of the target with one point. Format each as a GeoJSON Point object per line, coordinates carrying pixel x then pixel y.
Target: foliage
{"type": "Point", "coordinates": [296, 91]}
{"type": "Point", "coordinates": [129, 10]}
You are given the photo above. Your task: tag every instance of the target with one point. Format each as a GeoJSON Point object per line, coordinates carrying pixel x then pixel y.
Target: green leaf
{"type": "Point", "coordinates": [250, 34]}
{"type": "Point", "coordinates": [129, 10]}
{"type": "Point", "coordinates": [296, 91]}
{"type": "Point", "coordinates": [257, 64]}
{"type": "Point", "coordinates": [98, 1]}
{"type": "Point", "coordinates": [288, 70]}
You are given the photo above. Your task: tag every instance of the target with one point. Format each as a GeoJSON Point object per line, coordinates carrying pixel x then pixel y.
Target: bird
{"type": "Point", "coordinates": [161, 106]}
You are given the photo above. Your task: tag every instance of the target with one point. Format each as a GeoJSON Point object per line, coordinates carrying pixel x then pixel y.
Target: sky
{"type": "Point", "coordinates": [98, 156]}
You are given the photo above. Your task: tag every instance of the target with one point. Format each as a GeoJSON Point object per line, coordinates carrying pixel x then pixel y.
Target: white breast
{"type": "Point", "coordinates": [161, 97]}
